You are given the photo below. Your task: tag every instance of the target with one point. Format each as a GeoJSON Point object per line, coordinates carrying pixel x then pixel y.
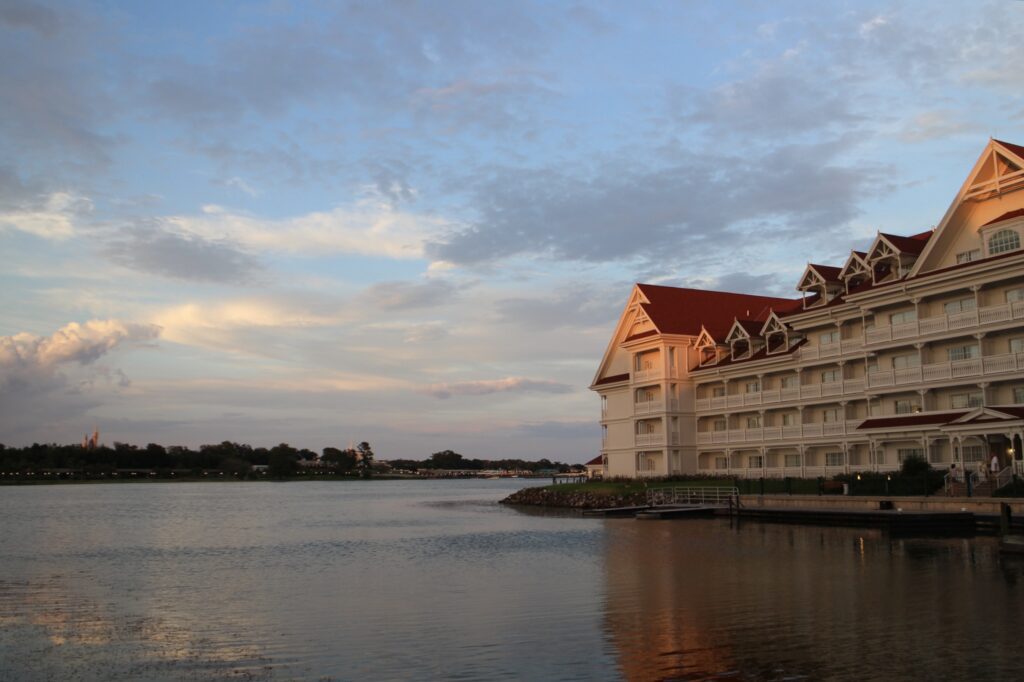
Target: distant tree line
{"type": "Point", "coordinates": [233, 459]}
{"type": "Point", "coordinates": [236, 460]}
{"type": "Point", "coordinates": [447, 459]}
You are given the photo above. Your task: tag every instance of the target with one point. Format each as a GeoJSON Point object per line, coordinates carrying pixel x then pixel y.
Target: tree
{"type": "Point", "coordinates": [282, 461]}
{"type": "Point", "coordinates": [446, 459]}
{"type": "Point", "coordinates": [339, 460]}
{"type": "Point", "coordinates": [365, 459]}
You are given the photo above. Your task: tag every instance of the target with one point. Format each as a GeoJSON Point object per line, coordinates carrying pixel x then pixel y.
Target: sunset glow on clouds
{"type": "Point", "coordinates": [416, 223]}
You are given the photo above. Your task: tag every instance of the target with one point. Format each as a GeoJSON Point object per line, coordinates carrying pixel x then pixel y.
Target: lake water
{"type": "Point", "coordinates": [432, 579]}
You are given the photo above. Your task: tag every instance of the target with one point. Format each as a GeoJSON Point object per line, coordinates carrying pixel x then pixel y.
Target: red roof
{"type": "Point", "coordinates": [752, 327]}
{"type": "Point", "coordinates": [676, 310]}
{"type": "Point", "coordinates": [911, 420]}
{"type": "Point", "coordinates": [912, 244]}
{"type": "Point", "coordinates": [594, 462]}
{"type": "Point", "coordinates": [641, 335]}
{"type": "Point", "coordinates": [829, 272]}
{"type": "Point", "coordinates": [1015, 148]}
{"type": "Point", "coordinates": [614, 379]}
{"type": "Point", "coordinates": [1006, 216]}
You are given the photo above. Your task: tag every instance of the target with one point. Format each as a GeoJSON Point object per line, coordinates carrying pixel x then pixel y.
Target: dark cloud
{"type": "Point", "coordinates": [31, 15]}
{"type": "Point", "coordinates": [575, 307]}
{"type": "Point", "coordinates": [410, 295]}
{"type": "Point", "coordinates": [157, 250]}
{"type": "Point", "coordinates": [702, 202]}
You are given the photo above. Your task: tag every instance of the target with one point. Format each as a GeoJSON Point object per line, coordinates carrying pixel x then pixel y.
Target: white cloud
{"type": "Point", "coordinates": [369, 228]}
{"type": "Point", "coordinates": [54, 219]}
{"type": "Point", "coordinates": [74, 342]}
{"type": "Point", "coordinates": [508, 384]}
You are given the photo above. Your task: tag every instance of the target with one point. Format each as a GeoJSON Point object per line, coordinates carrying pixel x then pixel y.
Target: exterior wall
{"type": "Point", "coordinates": [880, 352]}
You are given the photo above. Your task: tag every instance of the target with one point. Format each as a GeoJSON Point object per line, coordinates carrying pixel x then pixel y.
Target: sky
{"type": "Point", "coordinates": [416, 223]}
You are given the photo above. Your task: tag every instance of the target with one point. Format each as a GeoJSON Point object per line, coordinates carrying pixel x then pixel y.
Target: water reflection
{"type": "Point", "coordinates": [706, 600]}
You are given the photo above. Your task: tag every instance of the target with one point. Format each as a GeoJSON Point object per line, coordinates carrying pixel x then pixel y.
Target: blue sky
{"type": "Point", "coordinates": [416, 223]}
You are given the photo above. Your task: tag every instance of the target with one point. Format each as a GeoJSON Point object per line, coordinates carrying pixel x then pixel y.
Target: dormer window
{"type": "Point", "coordinates": [1003, 241]}
{"type": "Point", "coordinates": [822, 282]}
{"type": "Point", "coordinates": [776, 335]}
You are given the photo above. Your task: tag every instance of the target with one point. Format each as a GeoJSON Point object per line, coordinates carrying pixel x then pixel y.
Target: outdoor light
{"type": "Point", "coordinates": [858, 477]}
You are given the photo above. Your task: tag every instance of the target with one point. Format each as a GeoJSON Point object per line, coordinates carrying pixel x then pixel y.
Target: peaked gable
{"type": "Point", "coordinates": [997, 174]}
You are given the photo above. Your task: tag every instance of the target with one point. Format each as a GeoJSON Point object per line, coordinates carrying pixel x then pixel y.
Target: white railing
{"type": "Point", "coordinates": [769, 433]}
{"type": "Point", "coordinates": [647, 374]}
{"type": "Point", "coordinates": [941, 371]}
{"type": "Point", "coordinates": [648, 406]}
{"type": "Point", "coordinates": [649, 439]}
{"type": "Point", "coordinates": [1003, 478]}
{"type": "Point", "coordinates": [711, 495]}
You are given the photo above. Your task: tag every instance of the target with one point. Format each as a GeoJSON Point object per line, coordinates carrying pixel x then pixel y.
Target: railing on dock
{"type": "Point", "coordinates": [724, 496]}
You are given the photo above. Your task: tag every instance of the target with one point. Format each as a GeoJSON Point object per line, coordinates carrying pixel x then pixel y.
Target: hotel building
{"type": "Point", "coordinates": [912, 347]}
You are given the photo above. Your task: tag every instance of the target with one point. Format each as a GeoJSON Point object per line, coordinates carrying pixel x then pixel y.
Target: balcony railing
{"type": "Point", "coordinates": [772, 433]}
{"type": "Point", "coordinates": [653, 406]}
{"type": "Point", "coordinates": [956, 369]}
{"type": "Point", "coordinates": [654, 373]}
{"type": "Point", "coordinates": [946, 323]}
{"type": "Point", "coordinates": [655, 439]}
{"type": "Point", "coordinates": [922, 328]}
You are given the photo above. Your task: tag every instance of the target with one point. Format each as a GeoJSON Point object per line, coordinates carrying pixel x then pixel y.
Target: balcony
{"type": "Point", "coordinates": [655, 406]}
{"type": "Point", "coordinates": [655, 439]}
{"type": "Point", "coordinates": [775, 433]}
{"type": "Point", "coordinates": [654, 374]}
{"type": "Point", "coordinates": [943, 371]}
{"type": "Point", "coordinates": [946, 323]}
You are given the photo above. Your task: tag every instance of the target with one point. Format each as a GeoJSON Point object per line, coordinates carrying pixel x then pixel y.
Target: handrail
{"type": "Point", "coordinates": [1003, 478]}
{"type": "Point", "coordinates": [717, 495]}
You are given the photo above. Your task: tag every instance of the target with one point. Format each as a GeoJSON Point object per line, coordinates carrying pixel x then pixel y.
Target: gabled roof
{"type": "Point", "coordinates": [705, 338]}
{"type": "Point", "coordinates": [677, 310]}
{"type": "Point", "coordinates": [999, 169]}
{"type": "Point", "coordinates": [910, 420]}
{"type": "Point", "coordinates": [614, 379]}
{"type": "Point", "coordinates": [858, 261]}
{"type": "Point", "coordinates": [1006, 216]}
{"type": "Point", "coordinates": [599, 460]}
{"type": "Point", "coordinates": [989, 414]}
{"type": "Point", "coordinates": [913, 244]}
{"type": "Point", "coordinates": [773, 322]}
{"type": "Point", "coordinates": [816, 274]}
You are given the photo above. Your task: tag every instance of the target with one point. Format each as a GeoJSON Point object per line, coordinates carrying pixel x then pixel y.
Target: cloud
{"type": "Point", "coordinates": [40, 19]}
{"type": "Point", "coordinates": [366, 228]}
{"type": "Point", "coordinates": [674, 214]}
{"type": "Point", "coordinates": [933, 125]}
{"type": "Point", "coordinates": [506, 385]}
{"type": "Point", "coordinates": [185, 256]}
{"type": "Point", "coordinates": [44, 380]}
{"type": "Point", "coordinates": [576, 307]}
{"type": "Point", "coordinates": [411, 295]}
{"type": "Point", "coordinates": [51, 217]}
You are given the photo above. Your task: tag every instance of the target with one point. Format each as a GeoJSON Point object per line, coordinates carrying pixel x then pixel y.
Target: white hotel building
{"type": "Point", "coordinates": [914, 346]}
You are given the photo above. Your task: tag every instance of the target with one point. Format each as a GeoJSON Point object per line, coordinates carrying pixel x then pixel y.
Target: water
{"type": "Point", "coordinates": [432, 579]}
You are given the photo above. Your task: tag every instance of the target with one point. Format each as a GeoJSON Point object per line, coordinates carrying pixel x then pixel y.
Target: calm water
{"type": "Point", "coordinates": [427, 580]}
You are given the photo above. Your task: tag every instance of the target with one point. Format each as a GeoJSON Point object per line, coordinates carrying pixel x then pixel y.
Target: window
{"type": "Point", "coordinates": [1014, 295]}
{"type": "Point", "coordinates": [959, 401]}
{"type": "Point", "coordinates": [829, 337]}
{"type": "Point", "coordinates": [755, 461]}
{"type": "Point", "coordinates": [721, 462]}
{"type": "Point", "coordinates": [754, 422]}
{"type": "Point", "coordinates": [972, 453]}
{"type": "Point", "coordinates": [834, 459]}
{"type": "Point", "coordinates": [753, 386]}
{"type": "Point", "coordinates": [792, 460]}
{"type": "Point", "coordinates": [1003, 240]}
{"type": "Point", "coordinates": [961, 306]}
{"type": "Point", "coordinates": [789, 381]}
{"type": "Point", "coordinates": [872, 366]}
{"type": "Point", "coordinates": [718, 392]}
{"type": "Point", "coordinates": [830, 415]}
{"type": "Point", "coordinates": [604, 404]}
{"type": "Point", "coordinates": [968, 256]}
{"type": "Point", "coordinates": [904, 453]}
{"type": "Point", "coordinates": [1017, 345]}
{"type": "Point", "coordinates": [962, 352]}
{"type": "Point", "coordinates": [789, 419]}
{"type": "Point", "coordinates": [718, 425]}
{"type": "Point", "coordinates": [905, 406]}
{"type": "Point", "coordinates": [830, 376]}
{"type": "Point", "coordinates": [1018, 395]}
{"type": "Point", "coordinates": [903, 317]}
{"type": "Point", "coordinates": [906, 361]}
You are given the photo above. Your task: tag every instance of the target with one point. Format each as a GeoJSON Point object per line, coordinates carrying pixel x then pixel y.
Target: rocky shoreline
{"type": "Point", "coordinates": [572, 499]}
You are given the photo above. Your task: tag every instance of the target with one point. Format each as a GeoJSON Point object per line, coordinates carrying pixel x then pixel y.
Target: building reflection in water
{"type": "Point", "coordinates": [700, 600]}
